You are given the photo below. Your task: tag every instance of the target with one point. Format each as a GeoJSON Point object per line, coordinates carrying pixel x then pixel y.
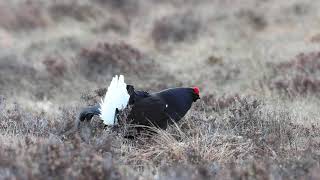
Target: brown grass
{"type": "Point", "coordinates": [298, 76]}
{"type": "Point", "coordinates": [74, 10]}
{"type": "Point", "coordinates": [246, 131]}
{"type": "Point", "coordinates": [113, 57]}
{"type": "Point", "coordinates": [26, 16]}
{"type": "Point", "coordinates": [53, 66]}
{"type": "Point", "coordinates": [175, 28]}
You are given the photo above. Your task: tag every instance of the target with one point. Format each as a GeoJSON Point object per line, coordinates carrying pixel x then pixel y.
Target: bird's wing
{"type": "Point", "coordinates": [136, 96]}
{"type": "Point", "coordinates": [150, 111]}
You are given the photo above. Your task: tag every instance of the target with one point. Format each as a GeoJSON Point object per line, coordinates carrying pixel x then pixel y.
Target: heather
{"type": "Point", "coordinates": [256, 64]}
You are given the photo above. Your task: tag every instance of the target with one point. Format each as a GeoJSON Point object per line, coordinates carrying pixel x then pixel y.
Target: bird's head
{"type": "Point", "coordinates": [195, 94]}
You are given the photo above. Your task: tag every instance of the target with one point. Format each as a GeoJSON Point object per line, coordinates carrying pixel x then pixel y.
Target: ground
{"type": "Point", "coordinates": [257, 64]}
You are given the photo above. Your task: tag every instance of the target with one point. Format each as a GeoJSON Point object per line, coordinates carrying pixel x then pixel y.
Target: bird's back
{"type": "Point", "coordinates": [178, 101]}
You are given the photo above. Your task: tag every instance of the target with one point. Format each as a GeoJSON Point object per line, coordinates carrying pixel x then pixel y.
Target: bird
{"type": "Point", "coordinates": [158, 109]}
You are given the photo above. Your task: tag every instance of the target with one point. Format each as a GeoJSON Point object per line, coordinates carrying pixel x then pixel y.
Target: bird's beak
{"type": "Point", "coordinates": [196, 98]}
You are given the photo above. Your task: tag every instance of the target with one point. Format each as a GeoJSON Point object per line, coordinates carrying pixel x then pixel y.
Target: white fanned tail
{"type": "Point", "coordinates": [116, 97]}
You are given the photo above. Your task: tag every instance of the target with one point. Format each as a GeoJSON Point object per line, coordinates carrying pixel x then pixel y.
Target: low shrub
{"type": "Point", "coordinates": [175, 28]}
{"type": "Point", "coordinates": [299, 76]}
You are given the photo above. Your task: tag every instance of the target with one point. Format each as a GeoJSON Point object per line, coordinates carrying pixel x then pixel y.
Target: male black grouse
{"type": "Point", "coordinates": [148, 109]}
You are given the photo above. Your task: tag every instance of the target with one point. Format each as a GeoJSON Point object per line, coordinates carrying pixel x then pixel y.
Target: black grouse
{"type": "Point", "coordinates": [152, 109]}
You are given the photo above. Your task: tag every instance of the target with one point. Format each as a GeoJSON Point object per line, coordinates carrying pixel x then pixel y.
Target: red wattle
{"type": "Point", "coordinates": [196, 90]}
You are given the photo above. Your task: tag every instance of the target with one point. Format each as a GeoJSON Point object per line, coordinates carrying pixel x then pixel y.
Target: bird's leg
{"type": "Point", "coordinates": [115, 120]}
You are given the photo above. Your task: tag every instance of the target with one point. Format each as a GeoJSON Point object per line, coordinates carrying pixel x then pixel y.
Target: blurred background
{"type": "Point", "coordinates": [57, 55]}
{"type": "Point", "coordinates": [53, 52]}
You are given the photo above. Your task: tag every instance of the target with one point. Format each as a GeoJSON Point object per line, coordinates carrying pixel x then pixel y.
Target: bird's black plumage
{"type": "Point", "coordinates": [88, 112]}
{"type": "Point", "coordinates": [149, 111]}
{"type": "Point", "coordinates": [154, 109]}
{"type": "Point", "coordinates": [178, 101]}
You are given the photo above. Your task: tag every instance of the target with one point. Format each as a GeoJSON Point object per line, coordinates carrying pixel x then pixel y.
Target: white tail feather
{"type": "Point", "coordinates": [116, 97]}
